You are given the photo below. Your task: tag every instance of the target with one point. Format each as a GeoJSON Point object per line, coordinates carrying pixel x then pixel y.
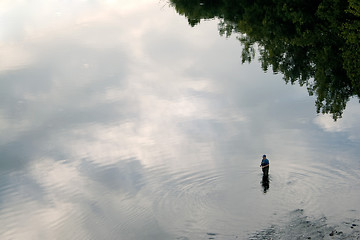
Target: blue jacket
{"type": "Point", "coordinates": [264, 162]}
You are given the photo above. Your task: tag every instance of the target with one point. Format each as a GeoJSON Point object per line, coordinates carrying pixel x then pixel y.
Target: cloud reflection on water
{"type": "Point", "coordinates": [106, 105]}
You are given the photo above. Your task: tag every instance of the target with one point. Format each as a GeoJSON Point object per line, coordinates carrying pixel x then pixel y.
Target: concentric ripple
{"type": "Point", "coordinates": [315, 187]}
{"type": "Point", "coordinates": [185, 199]}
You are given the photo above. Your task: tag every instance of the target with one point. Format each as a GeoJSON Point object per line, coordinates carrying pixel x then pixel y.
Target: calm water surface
{"type": "Point", "coordinates": [119, 121]}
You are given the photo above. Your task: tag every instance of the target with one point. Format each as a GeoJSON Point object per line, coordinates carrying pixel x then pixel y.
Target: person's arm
{"type": "Point", "coordinates": [265, 166]}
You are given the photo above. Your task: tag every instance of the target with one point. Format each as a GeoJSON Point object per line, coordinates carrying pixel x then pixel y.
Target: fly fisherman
{"type": "Point", "coordinates": [265, 166]}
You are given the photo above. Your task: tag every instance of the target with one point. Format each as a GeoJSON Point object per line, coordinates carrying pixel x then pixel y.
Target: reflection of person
{"type": "Point", "coordinates": [265, 183]}
{"type": "Point", "coordinates": [265, 166]}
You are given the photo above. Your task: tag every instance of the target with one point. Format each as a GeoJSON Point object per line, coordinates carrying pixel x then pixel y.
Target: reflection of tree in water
{"type": "Point", "coordinates": [315, 43]}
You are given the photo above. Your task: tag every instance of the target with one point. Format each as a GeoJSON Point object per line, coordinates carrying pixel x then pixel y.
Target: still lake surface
{"type": "Point", "coordinates": [120, 121]}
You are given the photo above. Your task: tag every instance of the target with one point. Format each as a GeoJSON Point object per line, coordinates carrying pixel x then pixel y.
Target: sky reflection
{"type": "Point", "coordinates": [110, 111]}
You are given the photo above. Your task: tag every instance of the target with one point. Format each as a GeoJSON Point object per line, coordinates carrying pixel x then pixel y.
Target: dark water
{"type": "Point", "coordinates": [118, 121]}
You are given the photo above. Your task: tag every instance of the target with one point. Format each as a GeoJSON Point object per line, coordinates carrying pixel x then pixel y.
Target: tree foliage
{"type": "Point", "coordinates": [313, 42]}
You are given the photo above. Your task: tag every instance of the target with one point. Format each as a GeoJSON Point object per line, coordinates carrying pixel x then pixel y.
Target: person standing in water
{"type": "Point", "coordinates": [265, 166]}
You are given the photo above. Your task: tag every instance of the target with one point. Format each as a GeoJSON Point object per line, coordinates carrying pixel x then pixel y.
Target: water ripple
{"type": "Point", "coordinates": [183, 196]}
{"type": "Point", "coordinates": [308, 187]}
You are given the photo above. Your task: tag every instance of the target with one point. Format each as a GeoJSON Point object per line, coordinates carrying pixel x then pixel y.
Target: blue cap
{"type": "Point", "coordinates": [264, 155]}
